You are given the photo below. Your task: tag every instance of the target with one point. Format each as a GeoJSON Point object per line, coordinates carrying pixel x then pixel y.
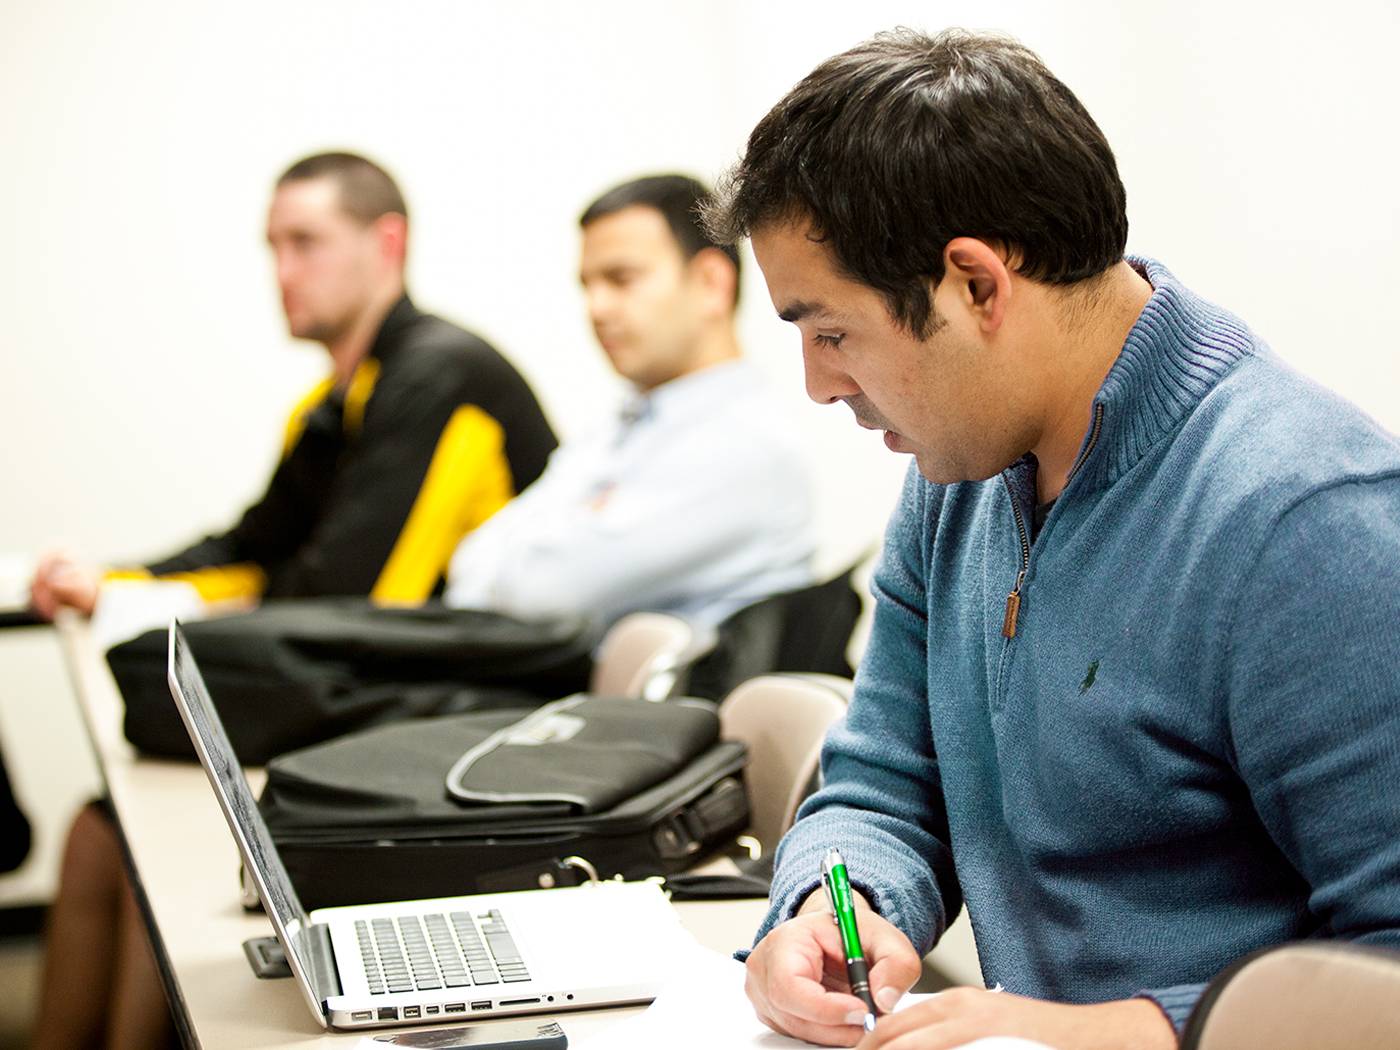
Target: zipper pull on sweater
{"type": "Point", "coordinates": [1013, 608]}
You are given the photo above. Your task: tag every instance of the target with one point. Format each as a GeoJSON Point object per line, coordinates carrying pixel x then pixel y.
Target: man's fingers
{"type": "Point", "coordinates": [796, 1005]}
{"type": "Point", "coordinates": [891, 977]}
{"type": "Point", "coordinates": [41, 598]}
{"type": "Point", "coordinates": [894, 965]}
{"type": "Point", "coordinates": [797, 982]}
{"type": "Point", "coordinates": [918, 1018]}
{"type": "Point", "coordinates": [800, 996]}
{"type": "Point", "coordinates": [949, 1019]}
{"type": "Point", "coordinates": [822, 1034]}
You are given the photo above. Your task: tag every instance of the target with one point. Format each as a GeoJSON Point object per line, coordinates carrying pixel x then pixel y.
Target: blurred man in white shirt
{"type": "Point", "coordinates": [694, 500]}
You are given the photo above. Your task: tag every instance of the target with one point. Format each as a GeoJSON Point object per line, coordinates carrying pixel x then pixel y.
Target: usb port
{"type": "Point", "coordinates": [482, 1004]}
{"type": "Point", "coordinates": [430, 1010]}
{"type": "Point", "coordinates": [455, 1008]}
{"type": "Point", "coordinates": [363, 1015]}
{"type": "Point", "coordinates": [412, 1011]}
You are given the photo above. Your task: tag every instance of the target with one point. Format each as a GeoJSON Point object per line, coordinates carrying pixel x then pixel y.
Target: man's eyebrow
{"type": "Point", "coordinates": [794, 312]}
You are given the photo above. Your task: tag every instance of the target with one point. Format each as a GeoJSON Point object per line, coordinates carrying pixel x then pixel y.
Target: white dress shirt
{"type": "Point", "coordinates": [695, 502]}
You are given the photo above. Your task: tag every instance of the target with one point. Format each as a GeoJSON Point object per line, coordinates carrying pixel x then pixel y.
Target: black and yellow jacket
{"type": "Point", "coordinates": [378, 482]}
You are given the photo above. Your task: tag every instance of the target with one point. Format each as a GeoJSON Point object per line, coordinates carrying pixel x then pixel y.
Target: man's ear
{"type": "Point", "coordinates": [716, 274]}
{"type": "Point", "coordinates": [392, 231]}
{"type": "Point", "coordinates": [980, 279]}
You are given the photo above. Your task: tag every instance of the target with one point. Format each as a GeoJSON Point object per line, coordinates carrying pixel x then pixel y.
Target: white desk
{"type": "Point", "coordinates": [186, 867]}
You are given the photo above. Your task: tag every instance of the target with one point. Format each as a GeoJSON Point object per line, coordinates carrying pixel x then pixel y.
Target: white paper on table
{"type": "Point", "coordinates": [16, 570]}
{"type": "Point", "coordinates": [704, 1008]}
{"type": "Point", "coordinates": [126, 608]}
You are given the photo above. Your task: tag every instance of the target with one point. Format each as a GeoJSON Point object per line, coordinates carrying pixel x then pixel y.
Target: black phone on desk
{"type": "Point", "coordinates": [510, 1035]}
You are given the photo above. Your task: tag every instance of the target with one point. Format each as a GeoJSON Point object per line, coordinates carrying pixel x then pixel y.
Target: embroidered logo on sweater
{"type": "Point", "coordinates": [1089, 677]}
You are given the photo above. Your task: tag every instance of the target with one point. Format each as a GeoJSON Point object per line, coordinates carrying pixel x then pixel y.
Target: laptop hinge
{"type": "Point", "coordinates": [325, 979]}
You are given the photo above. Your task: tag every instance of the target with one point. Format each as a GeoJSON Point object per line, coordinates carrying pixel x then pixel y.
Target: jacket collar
{"type": "Point", "coordinates": [396, 322]}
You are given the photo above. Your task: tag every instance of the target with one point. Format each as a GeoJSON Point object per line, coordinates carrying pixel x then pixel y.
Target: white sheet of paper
{"type": "Point", "coordinates": [705, 1008]}
{"type": "Point", "coordinates": [126, 608]}
{"type": "Point", "coordinates": [16, 570]}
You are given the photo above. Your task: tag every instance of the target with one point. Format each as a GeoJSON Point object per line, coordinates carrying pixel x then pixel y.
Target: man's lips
{"type": "Point", "coordinates": [893, 440]}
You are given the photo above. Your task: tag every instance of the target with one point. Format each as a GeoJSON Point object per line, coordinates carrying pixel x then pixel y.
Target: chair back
{"type": "Point", "coordinates": [804, 630]}
{"type": "Point", "coordinates": [782, 719]}
{"type": "Point", "coordinates": [642, 655]}
{"type": "Point", "coordinates": [1302, 996]}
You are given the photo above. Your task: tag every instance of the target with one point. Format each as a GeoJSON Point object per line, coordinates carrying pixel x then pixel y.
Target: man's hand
{"type": "Point", "coordinates": [61, 581]}
{"type": "Point", "coordinates": [963, 1015]}
{"type": "Point", "coordinates": [797, 974]}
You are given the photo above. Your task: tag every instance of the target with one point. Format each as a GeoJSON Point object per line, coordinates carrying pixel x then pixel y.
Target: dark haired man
{"type": "Point", "coordinates": [694, 501]}
{"type": "Point", "coordinates": [420, 433]}
{"type": "Point", "coordinates": [1129, 692]}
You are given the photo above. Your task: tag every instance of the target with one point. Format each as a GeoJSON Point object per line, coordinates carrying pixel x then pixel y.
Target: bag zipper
{"type": "Point", "coordinates": [1013, 600]}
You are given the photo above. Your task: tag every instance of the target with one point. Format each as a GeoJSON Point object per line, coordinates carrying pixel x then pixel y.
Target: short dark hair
{"type": "Point", "coordinates": [680, 199]}
{"type": "Point", "coordinates": [367, 191]}
{"type": "Point", "coordinates": [906, 141]}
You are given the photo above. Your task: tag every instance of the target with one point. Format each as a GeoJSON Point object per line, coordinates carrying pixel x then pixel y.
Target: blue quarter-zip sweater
{"type": "Point", "coordinates": [1190, 748]}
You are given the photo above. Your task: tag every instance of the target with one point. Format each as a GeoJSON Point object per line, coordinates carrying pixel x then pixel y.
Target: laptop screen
{"type": "Point", "coordinates": [254, 841]}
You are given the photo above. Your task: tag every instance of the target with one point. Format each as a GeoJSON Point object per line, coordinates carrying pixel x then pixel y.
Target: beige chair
{"type": "Point", "coordinates": [1320, 995]}
{"type": "Point", "coordinates": [782, 719]}
{"type": "Point", "coordinates": [644, 654]}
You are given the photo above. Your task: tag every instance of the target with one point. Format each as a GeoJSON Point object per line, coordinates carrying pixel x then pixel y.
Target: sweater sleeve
{"type": "Point", "coordinates": [1314, 707]}
{"type": "Point", "coordinates": [880, 803]}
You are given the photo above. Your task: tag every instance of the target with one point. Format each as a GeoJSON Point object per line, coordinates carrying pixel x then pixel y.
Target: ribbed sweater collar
{"type": "Point", "coordinates": [1177, 351]}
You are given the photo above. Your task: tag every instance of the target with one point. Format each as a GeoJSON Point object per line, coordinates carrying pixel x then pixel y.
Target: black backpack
{"type": "Point", "coordinates": [292, 673]}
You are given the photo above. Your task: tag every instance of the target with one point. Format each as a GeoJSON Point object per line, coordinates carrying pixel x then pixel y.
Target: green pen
{"type": "Point", "coordinates": [843, 913]}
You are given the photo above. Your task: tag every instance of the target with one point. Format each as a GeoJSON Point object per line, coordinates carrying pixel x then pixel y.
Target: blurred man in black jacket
{"type": "Point", "coordinates": [420, 433]}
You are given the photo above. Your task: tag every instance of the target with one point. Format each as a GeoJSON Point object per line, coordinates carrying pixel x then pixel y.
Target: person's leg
{"type": "Point", "coordinates": [139, 1018]}
{"type": "Point", "coordinates": [81, 937]}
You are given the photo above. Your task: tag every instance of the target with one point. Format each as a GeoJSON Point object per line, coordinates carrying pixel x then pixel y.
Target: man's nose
{"type": "Point", "coordinates": [599, 304]}
{"type": "Point", "coordinates": [827, 383]}
{"type": "Point", "coordinates": [286, 270]}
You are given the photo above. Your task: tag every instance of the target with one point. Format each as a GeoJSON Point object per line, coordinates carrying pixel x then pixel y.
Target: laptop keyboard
{"type": "Point", "coordinates": [429, 952]}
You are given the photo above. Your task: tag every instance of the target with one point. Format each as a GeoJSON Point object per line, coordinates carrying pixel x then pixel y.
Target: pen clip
{"type": "Point", "coordinates": [829, 887]}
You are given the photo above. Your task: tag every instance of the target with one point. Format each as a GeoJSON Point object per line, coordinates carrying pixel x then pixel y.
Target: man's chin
{"type": "Point", "coordinates": [317, 333]}
{"type": "Point", "coordinates": [946, 473]}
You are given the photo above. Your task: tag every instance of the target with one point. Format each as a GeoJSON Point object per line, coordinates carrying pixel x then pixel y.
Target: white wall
{"type": "Point", "coordinates": [146, 370]}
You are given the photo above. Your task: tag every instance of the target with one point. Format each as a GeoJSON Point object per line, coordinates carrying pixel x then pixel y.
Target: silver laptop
{"type": "Point", "coordinates": [440, 960]}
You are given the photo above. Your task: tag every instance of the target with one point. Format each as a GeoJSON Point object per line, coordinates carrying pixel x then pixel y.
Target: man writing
{"type": "Point", "coordinates": [1128, 693]}
{"type": "Point", "coordinates": [420, 432]}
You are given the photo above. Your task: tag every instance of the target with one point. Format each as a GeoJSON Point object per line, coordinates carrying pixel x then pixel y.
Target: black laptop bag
{"type": "Point", "coordinates": [292, 673]}
{"type": "Point", "coordinates": [585, 786]}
